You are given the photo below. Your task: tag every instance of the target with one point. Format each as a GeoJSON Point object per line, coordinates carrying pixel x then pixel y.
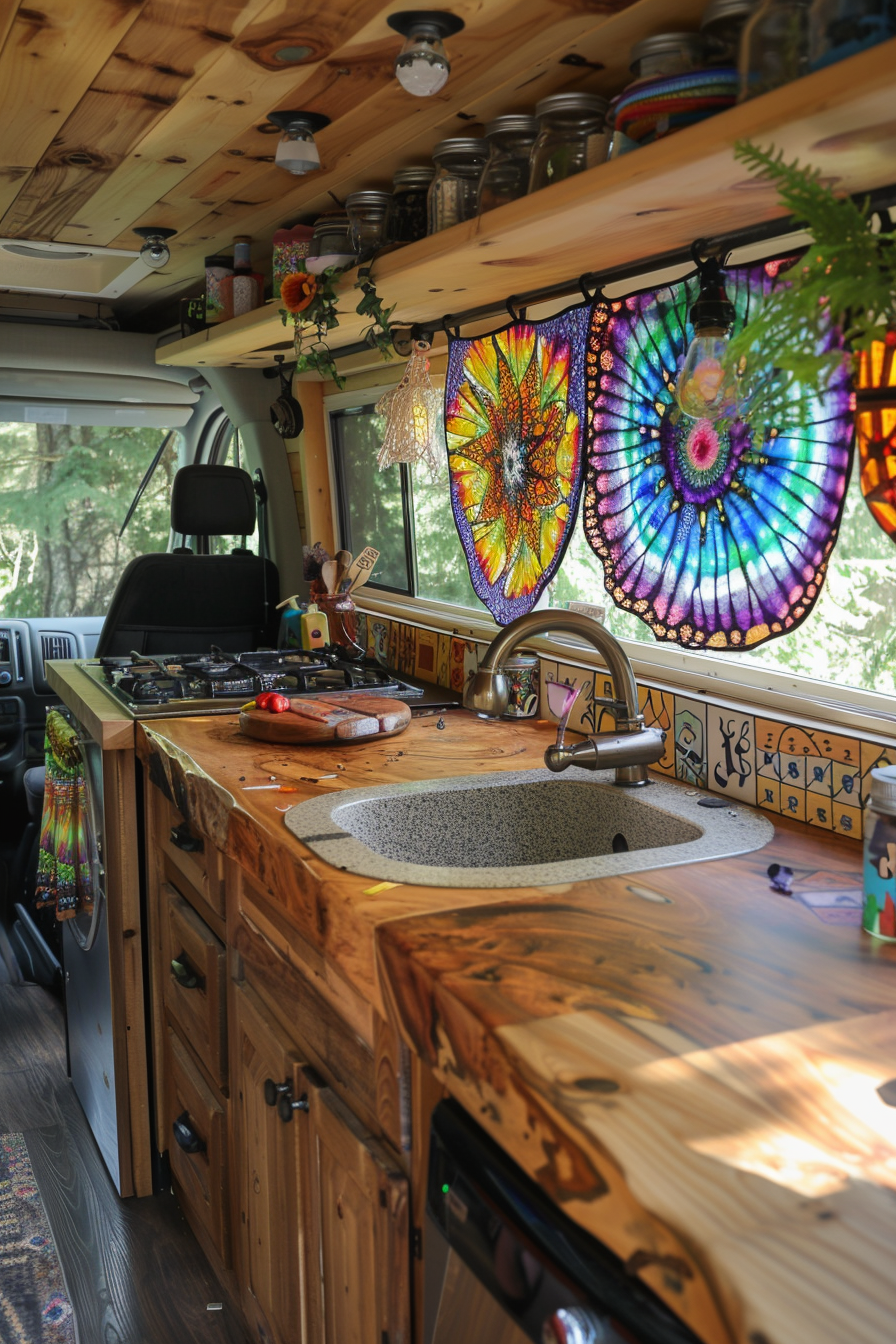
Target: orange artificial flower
{"type": "Point", "coordinates": [297, 291]}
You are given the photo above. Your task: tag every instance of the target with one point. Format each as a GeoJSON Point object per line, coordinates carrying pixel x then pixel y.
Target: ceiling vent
{"type": "Point", "coordinates": [68, 270]}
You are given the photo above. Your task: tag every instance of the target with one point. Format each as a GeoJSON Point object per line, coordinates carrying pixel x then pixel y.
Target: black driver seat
{"type": "Point", "coordinates": [184, 603]}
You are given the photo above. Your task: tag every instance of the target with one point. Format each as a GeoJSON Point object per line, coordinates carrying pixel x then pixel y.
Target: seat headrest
{"type": "Point", "coordinates": [213, 502]}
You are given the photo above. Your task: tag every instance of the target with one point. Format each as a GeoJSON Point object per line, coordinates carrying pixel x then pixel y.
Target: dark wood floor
{"type": "Point", "coordinates": [135, 1272]}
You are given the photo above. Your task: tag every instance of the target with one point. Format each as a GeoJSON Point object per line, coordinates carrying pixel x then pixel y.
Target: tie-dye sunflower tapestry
{"type": "Point", "coordinates": [514, 422]}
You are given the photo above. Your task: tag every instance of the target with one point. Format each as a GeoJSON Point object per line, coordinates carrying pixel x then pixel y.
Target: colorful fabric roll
{"type": "Point", "coordinates": [651, 109]}
{"type": "Point", "coordinates": [64, 869]}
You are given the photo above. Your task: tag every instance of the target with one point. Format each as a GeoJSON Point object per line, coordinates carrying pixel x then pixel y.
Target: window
{"type": "Point", "coordinates": [64, 495]}
{"type": "Point", "coordinates": [848, 640]}
{"type": "Point", "coordinates": [399, 511]}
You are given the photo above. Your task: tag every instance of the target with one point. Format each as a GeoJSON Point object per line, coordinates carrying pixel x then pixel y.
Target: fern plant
{"type": "Point", "coordinates": [846, 280]}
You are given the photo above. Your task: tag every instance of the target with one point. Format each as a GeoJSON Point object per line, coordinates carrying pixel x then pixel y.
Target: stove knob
{"type": "Point", "coordinates": [5, 677]}
{"type": "Point", "coordinates": [575, 1325]}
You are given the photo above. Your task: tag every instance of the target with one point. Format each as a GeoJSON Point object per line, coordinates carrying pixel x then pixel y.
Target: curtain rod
{"type": "Point", "coordinates": [596, 280]}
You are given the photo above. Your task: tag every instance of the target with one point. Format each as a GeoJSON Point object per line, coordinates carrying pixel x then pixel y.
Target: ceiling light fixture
{"type": "Point", "coordinates": [296, 148]}
{"type": "Point", "coordinates": [155, 251]}
{"type": "Point", "coordinates": [421, 67]}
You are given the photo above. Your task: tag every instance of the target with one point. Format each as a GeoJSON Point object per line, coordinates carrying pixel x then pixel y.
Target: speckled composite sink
{"type": "Point", "coordinates": [520, 828]}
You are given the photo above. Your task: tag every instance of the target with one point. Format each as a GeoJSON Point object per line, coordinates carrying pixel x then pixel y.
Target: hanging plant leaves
{"type": "Point", "coordinates": [715, 539]}
{"type": "Point", "coordinates": [514, 422]}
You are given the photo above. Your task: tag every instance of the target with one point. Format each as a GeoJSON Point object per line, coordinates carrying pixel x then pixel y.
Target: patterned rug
{"type": "Point", "coordinates": [34, 1305]}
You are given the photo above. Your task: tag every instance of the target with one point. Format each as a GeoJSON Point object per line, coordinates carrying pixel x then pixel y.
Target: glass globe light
{"type": "Point", "coordinates": [422, 67]}
{"type": "Point", "coordinates": [297, 150]}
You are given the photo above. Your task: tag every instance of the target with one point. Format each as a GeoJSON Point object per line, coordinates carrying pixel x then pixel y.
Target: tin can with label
{"type": "Point", "coordinates": [879, 913]}
{"type": "Point", "coordinates": [521, 672]}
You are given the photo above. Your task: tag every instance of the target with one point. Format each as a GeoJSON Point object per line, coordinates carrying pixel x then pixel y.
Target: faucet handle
{"type": "Point", "coordinates": [561, 699]}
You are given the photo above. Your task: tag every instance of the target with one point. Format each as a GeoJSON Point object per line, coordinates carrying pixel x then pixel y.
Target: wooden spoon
{"type": "Point", "coordinates": [343, 560]}
{"type": "Point", "coordinates": [329, 572]}
{"type": "Point", "coordinates": [362, 568]}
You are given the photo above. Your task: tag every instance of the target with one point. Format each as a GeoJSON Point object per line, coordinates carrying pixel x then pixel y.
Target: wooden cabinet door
{"type": "Point", "coordinates": [359, 1270]}
{"type": "Point", "coordinates": [271, 1150]}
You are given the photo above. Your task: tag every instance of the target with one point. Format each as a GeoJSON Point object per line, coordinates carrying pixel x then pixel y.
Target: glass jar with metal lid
{"type": "Point", "coordinates": [666, 54]}
{"type": "Point", "coordinates": [840, 28]}
{"type": "Point", "coordinates": [505, 176]}
{"type": "Point", "coordinates": [572, 136]}
{"type": "Point", "coordinates": [721, 27]}
{"type": "Point", "coordinates": [331, 243]}
{"type": "Point", "coordinates": [774, 46]}
{"type": "Point", "coordinates": [452, 192]}
{"type": "Point", "coordinates": [409, 189]}
{"type": "Point", "coordinates": [368, 215]}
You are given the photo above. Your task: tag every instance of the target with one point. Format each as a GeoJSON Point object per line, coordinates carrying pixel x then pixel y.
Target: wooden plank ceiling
{"type": "Point", "coordinates": [119, 113]}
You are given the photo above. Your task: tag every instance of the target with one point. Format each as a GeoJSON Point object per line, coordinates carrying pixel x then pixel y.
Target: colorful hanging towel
{"type": "Point", "coordinates": [64, 869]}
{"type": "Point", "coordinates": [514, 421]}
{"type": "Point", "coordinates": [651, 109]}
{"type": "Point", "coordinates": [715, 539]}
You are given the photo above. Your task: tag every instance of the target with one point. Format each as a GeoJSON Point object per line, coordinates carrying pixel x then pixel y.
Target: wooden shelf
{"type": "Point", "coordinates": [658, 198]}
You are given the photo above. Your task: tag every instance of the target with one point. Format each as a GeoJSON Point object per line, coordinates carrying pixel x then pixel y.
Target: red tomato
{"type": "Point", "coordinates": [263, 701]}
{"type": "Point", "coordinates": [278, 704]}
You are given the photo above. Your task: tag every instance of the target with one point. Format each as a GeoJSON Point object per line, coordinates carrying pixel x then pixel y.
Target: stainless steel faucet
{"type": "Point", "coordinates": [629, 750]}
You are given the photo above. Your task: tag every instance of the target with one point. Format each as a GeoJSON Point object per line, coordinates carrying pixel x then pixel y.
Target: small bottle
{"type": "Point", "coordinates": [315, 628]}
{"type": "Point", "coordinates": [244, 289]}
{"type": "Point", "coordinates": [217, 270]}
{"type": "Point", "coordinates": [879, 914]}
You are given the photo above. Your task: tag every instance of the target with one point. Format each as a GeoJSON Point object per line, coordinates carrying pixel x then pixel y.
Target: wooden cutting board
{"type": "Point", "coordinates": [325, 718]}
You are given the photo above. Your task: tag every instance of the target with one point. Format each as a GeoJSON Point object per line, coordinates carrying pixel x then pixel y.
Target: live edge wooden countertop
{"type": "Point", "coordinates": [687, 1061]}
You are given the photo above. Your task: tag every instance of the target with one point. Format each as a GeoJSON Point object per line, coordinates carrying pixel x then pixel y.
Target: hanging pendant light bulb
{"type": "Point", "coordinates": [704, 390]}
{"type": "Point", "coordinates": [422, 67]}
{"type": "Point", "coordinates": [414, 430]}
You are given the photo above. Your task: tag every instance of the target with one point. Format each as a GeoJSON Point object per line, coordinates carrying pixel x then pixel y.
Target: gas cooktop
{"type": "Point", "coordinates": [174, 685]}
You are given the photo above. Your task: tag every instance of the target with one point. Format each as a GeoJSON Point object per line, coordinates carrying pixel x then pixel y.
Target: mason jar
{"type": "Point", "coordinates": [721, 27]}
{"type": "Point", "coordinates": [505, 176]}
{"type": "Point", "coordinates": [774, 47]}
{"type": "Point", "coordinates": [572, 136]}
{"type": "Point", "coordinates": [331, 243]}
{"type": "Point", "coordinates": [368, 215]}
{"type": "Point", "coordinates": [409, 190]}
{"type": "Point", "coordinates": [452, 192]}
{"type": "Point", "coordinates": [666, 54]}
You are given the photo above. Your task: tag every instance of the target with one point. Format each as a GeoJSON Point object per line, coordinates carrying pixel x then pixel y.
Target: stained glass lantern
{"type": "Point", "coordinates": [413, 412]}
{"type": "Point", "coordinates": [514, 421]}
{"type": "Point", "coordinates": [714, 537]}
{"type": "Point", "coordinates": [876, 431]}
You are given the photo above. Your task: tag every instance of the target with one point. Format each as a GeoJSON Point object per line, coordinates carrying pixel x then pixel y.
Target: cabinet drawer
{"type": "Point", "coordinates": [194, 961]}
{"type": "Point", "coordinates": [191, 854]}
{"type": "Point", "coordinates": [196, 1118]}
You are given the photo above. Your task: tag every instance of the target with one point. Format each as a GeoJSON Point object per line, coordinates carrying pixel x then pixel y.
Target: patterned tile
{"type": "Point", "coordinates": [690, 741]}
{"type": "Point", "coordinates": [464, 662]}
{"type": "Point", "coordinates": [443, 661]}
{"type": "Point", "coordinates": [847, 820]}
{"type": "Point", "coordinates": [426, 655]}
{"type": "Point", "coordinates": [731, 753]}
{"type": "Point", "coordinates": [768, 794]}
{"type": "Point", "coordinates": [378, 632]}
{"type": "Point", "coordinates": [793, 802]}
{"type": "Point", "coordinates": [872, 757]}
{"type": "Point", "coordinates": [407, 648]}
{"type": "Point", "coordinates": [658, 708]}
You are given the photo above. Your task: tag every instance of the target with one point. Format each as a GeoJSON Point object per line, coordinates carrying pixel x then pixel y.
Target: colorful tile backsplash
{"type": "Point", "coordinates": [809, 774]}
